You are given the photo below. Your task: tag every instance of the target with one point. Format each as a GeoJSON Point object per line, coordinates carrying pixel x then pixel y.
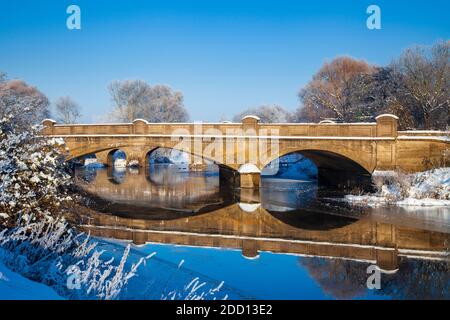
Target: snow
{"type": "Point", "coordinates": [376, 201]}
{"type": "Point", "coordinates": [249, 207]}
{"type": "Point", "coordinates": [140, 120]}
{"type": "Point", "coordinates": [15, 287]}
{"type": "Point", "coordinates": [133, 163]}
{"type": "Point", "coordinates": [292, 137]}
{"type": "Point", "coordinates": [120, 163]}
{"type": "Point", "coordinates": [249, 168]}
{"type": "Point", "coordinates": [48, 120]}
{"type": "Point", "coordinates": [386, 173]}
{"type": "Point", "coordinates": [32, 172]}
{"type": "Point", "coordinates": [384, 115]}
{"type": "Point", "coordinates": [439, 132]}
{"type": "Point", "coordinates": [252, 117]}
{"type": "Point", "coordinates": [432, 182]}
{"type": "Point", "coordinates": [428, 188]}
{"type": "Point", "coordinates": [437, 138]}
{"type": "Point", "coordinates": [90, 161]}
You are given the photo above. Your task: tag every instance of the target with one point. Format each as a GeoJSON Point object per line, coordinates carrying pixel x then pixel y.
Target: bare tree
{"type": "Point", "coordinates": [17, 97]}
{"type": "Point", "coordinates": [426, 75]}
{"type": "Point", "coordinates": [67, 110]}
{"type": "Point", "coordinates": [164, 105]}
{"type": "Point", "coordinates": [129, 97]}
{"type": "Point", "coordinates": [327, 94]}
{"type": "Point", "coordinates": [380, 92]}
{"type": "Point", "coordinates": [2, 77]}
{"type": "Point", "coordinates": [137, 99]}
{"type": "Point", "coordinates": [266, 113]}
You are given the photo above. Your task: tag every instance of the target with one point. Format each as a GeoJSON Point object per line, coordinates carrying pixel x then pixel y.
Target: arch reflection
{"type": "Point", "coordinates": [200, 212]}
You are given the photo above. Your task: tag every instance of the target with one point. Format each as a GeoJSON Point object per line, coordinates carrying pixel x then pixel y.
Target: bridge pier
{"type": "Point", "coordinates": [247, 177]}
{"type": "Point", "coordinates": [387, 260]}
{"type": "Point", "coordinates": [250, 180]}
{"type": "Point", "coordinates": [386, 236]}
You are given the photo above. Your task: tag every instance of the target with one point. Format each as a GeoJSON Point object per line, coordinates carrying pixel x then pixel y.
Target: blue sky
{"type": "Point", "coordinates": [224, 55]}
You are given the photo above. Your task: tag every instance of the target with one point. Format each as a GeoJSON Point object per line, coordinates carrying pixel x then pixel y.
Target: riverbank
{"type": "Point", "coordinates": [429, 188]}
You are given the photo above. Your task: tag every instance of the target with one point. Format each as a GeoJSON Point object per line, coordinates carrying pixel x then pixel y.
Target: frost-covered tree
{"type": "Point", "coordinates": [382, 91]}
{"type": "Point", "coordinates": [327, 94]}
{"type": "Point", "coordinates": [28, 104]}
{"type": "Point", "coordinates": [426, 75]}
{"type": "Point", "coordinates": [67, 110]}
{"type": "Point", "coordinates": [34, 182]}
{"type": "Point", "coordinates": [267, 114]}
{"type": "Point", "coordinates": [135, 99]}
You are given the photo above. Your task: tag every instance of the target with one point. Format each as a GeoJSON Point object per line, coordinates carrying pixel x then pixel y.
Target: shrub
{"type": "Point", "coordinates": [33, 175]}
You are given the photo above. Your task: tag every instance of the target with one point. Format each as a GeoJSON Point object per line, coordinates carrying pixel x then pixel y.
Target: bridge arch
{"type": "Point", "coordinates": [147, 152]}
{"type": "Point", "coordinates": [334, 169]}
{"type": "Point", "coordinates": [112, 153]}
{"type": "Point", "coordinates": [98, 150]}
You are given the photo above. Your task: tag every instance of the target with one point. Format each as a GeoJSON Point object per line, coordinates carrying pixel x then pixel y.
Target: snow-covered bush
{"type": "Point", "coordinates": [393, 185]}
{"type": "Point", "coordinates": [33, 175]}
{"type": "Point", "coordinates": [428, 188]}
{"type": "Point", "coordinates": [133, 163]}
{"type": "Point", "coordinates": [194, 290]}
{"type": "Point", "coordinates": [64, 259]}
{"type": "Point", "coordinates": [28, 105]}
{"type": "Point", "coordinates": [433, 184]}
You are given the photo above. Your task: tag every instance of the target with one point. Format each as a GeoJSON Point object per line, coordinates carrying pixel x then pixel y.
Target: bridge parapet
{"type": "Point", "coordinates": [386, 126]}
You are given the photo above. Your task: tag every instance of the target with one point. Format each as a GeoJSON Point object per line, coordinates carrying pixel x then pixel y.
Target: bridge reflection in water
{"type": "Point", "coordinates": [193, 209]}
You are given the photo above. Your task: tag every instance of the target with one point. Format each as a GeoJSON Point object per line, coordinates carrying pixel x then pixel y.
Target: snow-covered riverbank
{"type": "Point", "coordinates": [71, 265]}
{"type": "Point", "coordinates": [428, 188]}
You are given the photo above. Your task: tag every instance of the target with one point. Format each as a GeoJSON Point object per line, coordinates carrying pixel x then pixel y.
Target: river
{"type": "Point", "coordinates": [288, 240]}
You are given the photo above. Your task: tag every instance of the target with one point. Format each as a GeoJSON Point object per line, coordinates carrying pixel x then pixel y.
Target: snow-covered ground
{"type": "Point", "coordinates": [15, 287]}
{"type": "Point", "coordinates": [428, 188]}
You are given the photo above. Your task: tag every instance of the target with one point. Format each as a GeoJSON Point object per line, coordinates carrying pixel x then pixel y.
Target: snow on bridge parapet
{"type": "Point", "coordinates": [249, 168]}
{"type": "Point", "coordinates": [386, 115]}
{"type": "Point", "coordinates": [387, 125]}
{"type": "Point", "coordinates": [250, 116]}
{"type": "Point", "coordinates": [426, 135]}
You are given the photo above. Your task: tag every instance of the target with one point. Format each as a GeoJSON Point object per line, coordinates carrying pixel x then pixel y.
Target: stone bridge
{"type": "Point", "coordinates": [342, 151]}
